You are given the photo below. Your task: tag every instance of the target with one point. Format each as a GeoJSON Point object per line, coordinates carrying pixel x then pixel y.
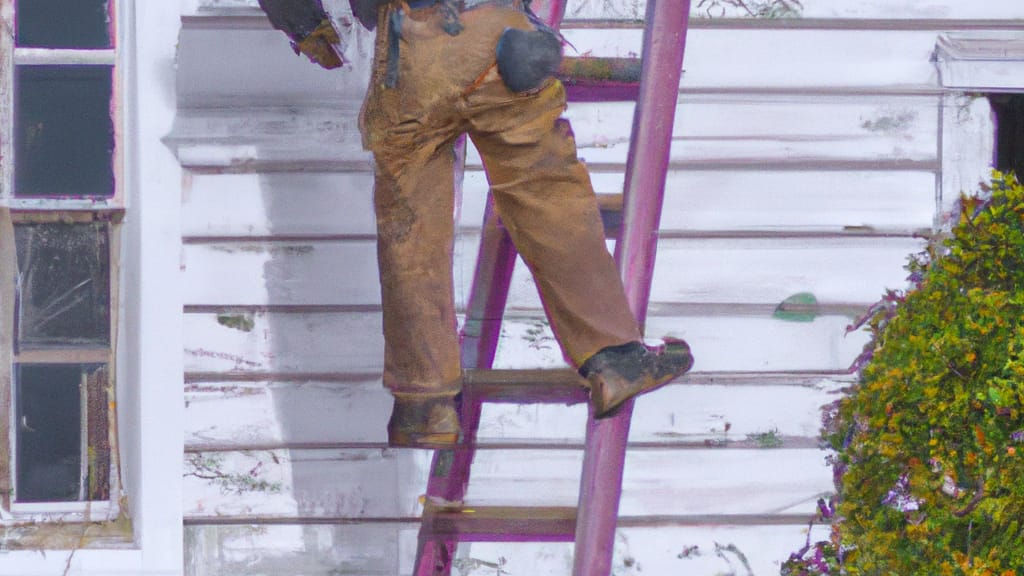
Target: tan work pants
{"type": "Point", "coordinates": [447, 86]}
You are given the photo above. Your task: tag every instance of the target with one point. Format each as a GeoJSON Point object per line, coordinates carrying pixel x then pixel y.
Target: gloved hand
{"type": "Point", "coordinates": [366, 11]}
{"type": "Point", "coordinates": [309, 28]}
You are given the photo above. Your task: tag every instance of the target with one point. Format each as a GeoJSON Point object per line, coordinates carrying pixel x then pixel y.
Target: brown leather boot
{"type": "Point", "coordinates": [618, 373]}
{"type": "Point", "coordinates": [429, 423]}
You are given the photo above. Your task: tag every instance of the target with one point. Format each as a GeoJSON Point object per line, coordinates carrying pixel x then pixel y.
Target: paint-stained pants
{"type": "Point", "coordinates": [447, 86]}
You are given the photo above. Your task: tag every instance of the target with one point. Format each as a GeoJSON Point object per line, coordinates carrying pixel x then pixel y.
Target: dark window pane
{"type": "Point", "coordinates": [49, 433]}
{"type": "Point", "coordinates": [63, 131]}
{"type": "Point", "coordinates": [64, 284]}
{"type": "Point", "coordinates": [63, 23]}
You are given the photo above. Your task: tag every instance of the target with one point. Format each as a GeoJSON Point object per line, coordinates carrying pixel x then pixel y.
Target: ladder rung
{"type": "Point", "coordinates": [535, 386]}
{"type": "Point", "coordinates": [610, 202]}
{"type": "Point", "coordinates": [593, 79]}
{"type": "Point", "coordinates": [499, 523]}
{"type": "Point", "coordinates": [558, 523]}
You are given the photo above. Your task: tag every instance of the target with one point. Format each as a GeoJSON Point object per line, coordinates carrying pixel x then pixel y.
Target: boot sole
{"type": "Point", "coordinates": [672, 347]}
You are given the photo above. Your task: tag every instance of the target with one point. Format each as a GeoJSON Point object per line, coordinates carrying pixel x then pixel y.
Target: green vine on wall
{"type": "Point", "coordinates": [928, 443]}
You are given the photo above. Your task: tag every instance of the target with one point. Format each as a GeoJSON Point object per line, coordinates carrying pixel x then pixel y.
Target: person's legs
{"type": "Point", "coordinates": [410, 128]}
{"type": "Point", "coordinates": [544, 196]}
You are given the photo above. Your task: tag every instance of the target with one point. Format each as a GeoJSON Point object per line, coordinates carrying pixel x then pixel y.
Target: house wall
{"type": "Point", "coordinates": [810, 156]}
{"type": "Point", "coordinates": [150, 408]}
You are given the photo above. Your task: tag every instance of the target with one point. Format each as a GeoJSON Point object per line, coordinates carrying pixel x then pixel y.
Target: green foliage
{"type": "Point", "coordinates": [928, 443]}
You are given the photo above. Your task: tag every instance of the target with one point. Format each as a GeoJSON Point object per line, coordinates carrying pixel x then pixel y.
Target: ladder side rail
{"type": "Point", "coordinates": [646, 167]}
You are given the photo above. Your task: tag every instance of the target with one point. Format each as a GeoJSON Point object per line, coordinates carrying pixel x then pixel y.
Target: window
{"type": "Point", "coordinates": [60, 213]}
{"type": "Point", "coordinates": [1009, 132]}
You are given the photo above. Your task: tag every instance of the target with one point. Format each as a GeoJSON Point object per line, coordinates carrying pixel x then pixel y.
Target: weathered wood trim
{"type": "Point", "coordinates": [6, 99]}
{"type": "Point", "coordinates": [50, 56]}
{"type": "Point", "coordinates": [988, 61]}
{"type": "Point", "coordinates": [8, 265]}
{"type": "Point", "coordinates": [64, 356]}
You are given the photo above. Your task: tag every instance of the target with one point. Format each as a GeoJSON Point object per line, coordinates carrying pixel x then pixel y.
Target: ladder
{"type": "Point", "coordinates": [592, 524]}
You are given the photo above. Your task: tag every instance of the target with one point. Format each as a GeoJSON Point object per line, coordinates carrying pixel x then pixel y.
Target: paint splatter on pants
{"type": "Point", "coordinates": [446, 86]}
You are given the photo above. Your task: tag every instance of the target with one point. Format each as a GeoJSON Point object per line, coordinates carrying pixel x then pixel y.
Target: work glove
{"type": "Point", "coordinates": [309, 29]}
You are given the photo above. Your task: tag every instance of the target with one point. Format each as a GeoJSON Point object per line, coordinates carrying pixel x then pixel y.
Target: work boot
{"type": "Point", "coordinates": [431, 422]}
{"type": "Point", "coordinates": [618, 373]}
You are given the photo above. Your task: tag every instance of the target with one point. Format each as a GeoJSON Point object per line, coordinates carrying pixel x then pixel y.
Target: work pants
{"type": "Point", "coordinates": [447, 86]}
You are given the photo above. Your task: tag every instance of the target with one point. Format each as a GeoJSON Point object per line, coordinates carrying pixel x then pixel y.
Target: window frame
{"type": "Point", "coordinates": [15, 211]}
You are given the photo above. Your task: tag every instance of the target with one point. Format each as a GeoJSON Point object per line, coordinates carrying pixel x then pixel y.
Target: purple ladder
{"type": "Point", "coordinates": [591, 525]}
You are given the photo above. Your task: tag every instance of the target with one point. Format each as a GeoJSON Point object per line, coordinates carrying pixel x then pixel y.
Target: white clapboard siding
{"type": "Point", "coordinates": [711, 130]}
{"type": "Point", "coordinates": [386, 483]}
{"type": "Point", "coordinates": [273, 413]}
{"type": "Point", "coordinates": [351, 343]}
{"type": "Point", "coordinates": [766, 130]}
{"type": "Point", "coordinates": [387, 548]}
{"type": "Point", "coordinates": [260, 68]}
{"type": "Point", "coordinates": [340, 203]}
{"type": "Point", "coordinates": [762, 270]}
{"type": "Point", "coordinates": [368, 549]}
{"type": "Point", "coordinates": [284, 342]}
{"type": "Point", "coordinates": [281, 203]}
{"type": "Point", "coordinates": [665, 551]}
{"type": "Point", "coordinates": [757, 58]}
{"type": "Point", "coordinates": [809, 155]}
{"type": "Point", "coordinates": [634, 10]}
{"type": "Point", "coordinates": [832, 9]}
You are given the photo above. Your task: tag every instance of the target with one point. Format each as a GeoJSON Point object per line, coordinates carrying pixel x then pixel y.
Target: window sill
{"type": "Point", "coordinates": [64, 511]}
{"type": "Point", "coordinates": [47, 533]}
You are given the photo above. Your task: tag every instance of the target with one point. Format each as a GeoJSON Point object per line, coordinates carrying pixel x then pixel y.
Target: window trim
{"type": "Point", "coordinates": [13, 211]}
{"type": "Point", "coordinates": [56, 512]}
{"type": "Point", "coordinates": [11, 56]}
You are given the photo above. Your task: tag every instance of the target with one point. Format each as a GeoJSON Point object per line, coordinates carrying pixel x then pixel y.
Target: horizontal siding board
{"type": "Point", "coordinates": [268, 413]}
{"type": "Point", "coordinates": [758, 58]}
{"type": "Point", "coordinates": [837, 9]}
{"type": "Point", "coordinates": [763, 129]}
{"type": "Point", "coordinates": [286, 204]}
{"type": "Point", "coordinates": [340, 204]}
{"type": "Point", "coordinates": [342, 342]}
{"type": "Point", "coordinates": [388, 549]}
{"type": "Point", "coordinates": [744, 270]}
{"type": "Point", "coordinates": [328, 272]}
{"type": "Point", "coordinates": [785, 58]}
{"type": "Point", "coordinates": [387, 483]}
{"type": "Point", "coordinates": [711, 128]}
{"type": "Point", "coordinates": [361, 550]}
{"type": "Point", "coordinates": [243, 71]}
{"type": "Point", "coordinates": [662, 551]}
{"type": "Point", "coordinates": [834, 9]}
{"type": "Point", "coordinates": [282, 342]}
{"type": "Point", "coordinates": [777, 201]}
{"type": "Point", "coordinates": [719, 343]}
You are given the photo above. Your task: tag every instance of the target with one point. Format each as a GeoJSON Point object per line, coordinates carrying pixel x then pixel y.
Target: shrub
{"type": "Point", "coordinates": [928, 443]}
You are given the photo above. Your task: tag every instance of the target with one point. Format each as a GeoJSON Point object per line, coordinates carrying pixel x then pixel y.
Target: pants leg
{"type": "Point", "coordinates": [413, 200]}
{"type": "Point", "coordinates": [544, 196]}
